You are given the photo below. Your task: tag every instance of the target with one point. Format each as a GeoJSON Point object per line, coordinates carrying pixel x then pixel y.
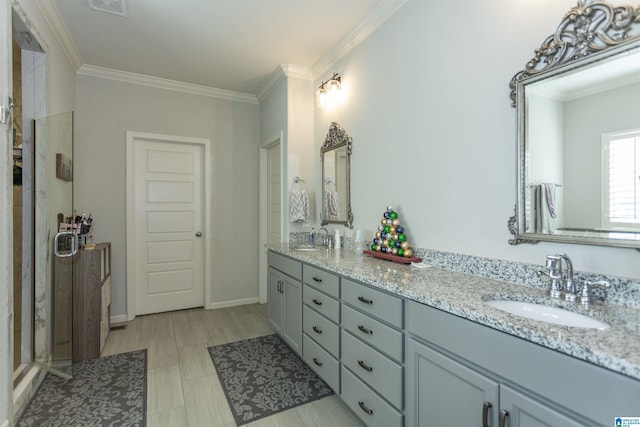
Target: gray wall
{"type": "Point", "coordinates": [434, 133]}
{"type": "Point", "coordinates": [106, 109]}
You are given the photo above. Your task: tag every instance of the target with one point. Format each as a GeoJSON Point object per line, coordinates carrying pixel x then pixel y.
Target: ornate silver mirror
{"type": "Point", "coordinates": [578, 122]}
{"type": "Point", "coordinates": [335, 156]}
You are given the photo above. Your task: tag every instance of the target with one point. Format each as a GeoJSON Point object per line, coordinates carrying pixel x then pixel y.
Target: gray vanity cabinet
{"type": "Point", "coordinates": [321, 324]}
{"type": "Point", "coordinates": [285, 299]}
{"type": "Point", "coordinates": [524, 411]}
{"type": "Point", "coordinates": [455, 366]}
{"type": "Point", "coordinates": [443, 392]}
{"type": "Point", "coordinates": [372, 354]}
{"type": "Point", "coordinates": [396, 362]}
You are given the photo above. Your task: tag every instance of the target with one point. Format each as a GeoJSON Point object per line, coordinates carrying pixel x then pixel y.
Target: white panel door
{"type": "Point", "coordinates": [274, 196]}
{"type": "Point", "coordinates": [168, 210]}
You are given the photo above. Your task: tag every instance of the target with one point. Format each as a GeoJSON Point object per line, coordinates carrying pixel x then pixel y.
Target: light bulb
{"type": "Point", "coordinates": [321, 96]}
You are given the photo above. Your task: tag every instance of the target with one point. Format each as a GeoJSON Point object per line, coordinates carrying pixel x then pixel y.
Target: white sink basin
{"type": "Point", "coordinates": [307, 248]}
{"type": "Point", "coordinates": [548, 314]}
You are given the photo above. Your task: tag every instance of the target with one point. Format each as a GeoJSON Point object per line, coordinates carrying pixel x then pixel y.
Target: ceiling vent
{"type": "Point", "coordinates": [115, 7]}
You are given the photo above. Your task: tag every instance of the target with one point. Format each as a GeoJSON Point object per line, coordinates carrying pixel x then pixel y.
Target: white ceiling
{"type": "Point", "coordinates": [233, 45]}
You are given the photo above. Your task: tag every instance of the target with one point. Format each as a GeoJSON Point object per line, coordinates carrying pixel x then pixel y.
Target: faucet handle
{"type": "Point", "coordinates": [586, 298]}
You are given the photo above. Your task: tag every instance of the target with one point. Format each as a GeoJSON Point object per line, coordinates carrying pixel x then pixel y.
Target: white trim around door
{"type": "Point", "coordinates": [264, 210]}
{"type": "Point", "coordinates": [132, 138]}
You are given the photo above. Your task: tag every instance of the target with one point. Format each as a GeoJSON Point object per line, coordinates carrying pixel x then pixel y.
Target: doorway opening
{"type": "Point", "coordinates": [271, 224]}
{"type": "Point", "coordinates": [29, 92]}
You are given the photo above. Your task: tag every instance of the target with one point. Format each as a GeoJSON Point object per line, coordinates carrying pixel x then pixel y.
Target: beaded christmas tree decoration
{"type": "Point", "coordinates": [390, 241]}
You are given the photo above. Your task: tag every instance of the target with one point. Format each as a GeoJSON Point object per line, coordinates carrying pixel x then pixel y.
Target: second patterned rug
{"type": "Point", "coordinates": [262, 376]}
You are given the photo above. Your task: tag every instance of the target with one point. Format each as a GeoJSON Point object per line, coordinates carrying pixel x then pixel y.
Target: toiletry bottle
{"type": "Point", "coordinates": [358, 242]}
{"type": "Point", "coordinates": [336, 240]}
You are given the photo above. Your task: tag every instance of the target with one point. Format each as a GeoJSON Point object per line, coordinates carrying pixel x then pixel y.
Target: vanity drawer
{"type": "Point", "coordinates": [322, 280]}
{"type": "Point", "coordinates": [366, 404]}
{"type": "Point", "coordinates": [322, 330]}
{"type": "Point", "coordinates": [287, 265]}
{"type": "Point", "coordinates": [374, 302]}
{"type": "Point", "coordinates": [378, 371]}
{"type": "Point", "coordinates": [325, 365]}
{"type": "Point", "coordinates": [321, 303]}
{"type": "Point", "coordinates": [373, 332]}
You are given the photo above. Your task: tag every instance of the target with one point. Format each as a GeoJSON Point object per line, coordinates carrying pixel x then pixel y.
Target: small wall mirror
{"type": "Point", "coordinates": [578, 103]}
{"type": "Point", "coordinates": [335, 156]}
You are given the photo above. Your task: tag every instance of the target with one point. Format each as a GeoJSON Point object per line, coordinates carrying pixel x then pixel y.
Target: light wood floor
{"type": "Point", "coordinates": [183, 388]}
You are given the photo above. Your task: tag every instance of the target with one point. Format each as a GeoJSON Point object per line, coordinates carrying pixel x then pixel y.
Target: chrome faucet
{"type": "Point", "coordinates": [586, 298]}
{"type": "Point", "coordinates": [570, 288]}
{"type": "Point", "coordinates": [554, 267]}
{"type": "Point", "coordinates": [562, 281]}
{"type": "Point", "coordinates": [324, 241]}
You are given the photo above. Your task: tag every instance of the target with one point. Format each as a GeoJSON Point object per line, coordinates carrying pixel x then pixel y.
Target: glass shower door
{"type": "Point", "coordinates": [55, 246]}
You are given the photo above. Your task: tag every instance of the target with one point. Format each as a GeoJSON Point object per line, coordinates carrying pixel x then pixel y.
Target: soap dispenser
{"type": "Point", "coordinates": [358, 242]}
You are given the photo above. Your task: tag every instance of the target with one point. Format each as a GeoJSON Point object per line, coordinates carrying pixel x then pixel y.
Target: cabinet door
{"type": "Point", "coordinates": [292, 323]}
{"type": "Point", "coordinates": [276, 300]}
{"type": "Point", "coordinates": [524, 411]}
{"type": "Point", "coordinates": [442, 392]}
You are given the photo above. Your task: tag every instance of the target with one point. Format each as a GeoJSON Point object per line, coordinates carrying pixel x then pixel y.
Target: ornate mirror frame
{"type": "Point", "coordinates": [590, 33]}
{"type": "Point", "coordinates": [336, 139]}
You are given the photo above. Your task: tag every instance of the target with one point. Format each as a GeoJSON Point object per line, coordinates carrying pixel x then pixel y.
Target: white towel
{"type": "Point", "coordinates": [331, 206]}
{"type": "Point", "coordinates": [299, 206]}
{"type": "Point", "coordinates": [545, 210]}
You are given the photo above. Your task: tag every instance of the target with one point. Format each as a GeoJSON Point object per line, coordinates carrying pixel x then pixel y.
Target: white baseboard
{"type": "Point", "coordinates": [123, 318]}
{"type": "Point", "coordinates": [118, 318]}
{"type": "Point", "coordinates": [25, 389]}
{"type": "Point", "coordinates": [233, 303]}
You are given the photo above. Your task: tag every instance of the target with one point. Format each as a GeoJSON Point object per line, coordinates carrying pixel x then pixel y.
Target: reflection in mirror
{"type": "Point", "coordinates": [336, 181]}
{"type": "Point", "coordinates": [53, 279]}
{"type": "Point", "coordinates": [579, 131]}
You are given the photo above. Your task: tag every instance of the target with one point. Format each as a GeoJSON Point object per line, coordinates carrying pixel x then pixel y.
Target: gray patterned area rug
{"type": "Point", "coordinates": [262, 376]}
{"type": "Point", "coordinates": [109, 391]}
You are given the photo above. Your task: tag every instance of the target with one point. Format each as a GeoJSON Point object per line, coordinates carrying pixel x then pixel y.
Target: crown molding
{"type": "Point", "coordinates": [157, 82]}
{"type": "Point", "coordinates": [296, 72]}
{"type": "Point", "coordinates": [281, 72]}
{"type": "Point", "coordinates": [60, 31]}
{"type": "Point", "coordinates": [379, 15]}
{"type": "Point", "coordinates": [270, 83]}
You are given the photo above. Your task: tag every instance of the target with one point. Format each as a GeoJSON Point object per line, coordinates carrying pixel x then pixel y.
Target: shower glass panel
{"type": "Point", "coordinates": [54, 270]}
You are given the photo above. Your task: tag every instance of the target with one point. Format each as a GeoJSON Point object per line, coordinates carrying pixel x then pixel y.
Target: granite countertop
{"type": "Point", "coordinates": [616, 348]}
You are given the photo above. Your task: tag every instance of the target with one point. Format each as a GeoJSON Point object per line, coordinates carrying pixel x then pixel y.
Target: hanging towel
{"type": "Point", "coordinates": [299, 206]}
{"type": "Point", "coordinates": [550, 197]}
{"type": "Point", "coordinates": [331, 207]}
{"type": "Point", "coordinates": [545, 208]}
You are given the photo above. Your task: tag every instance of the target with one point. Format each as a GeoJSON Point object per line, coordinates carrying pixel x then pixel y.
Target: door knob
{"type": "Point", "coordinates": [198, 233]}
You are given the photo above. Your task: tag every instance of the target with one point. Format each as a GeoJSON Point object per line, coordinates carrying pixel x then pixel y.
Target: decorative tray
{"type": "Point", "coordinates": [394, 258]}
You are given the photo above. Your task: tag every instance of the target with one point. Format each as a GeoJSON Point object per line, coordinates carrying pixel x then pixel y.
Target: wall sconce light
{"type": "Point", "coordinates": [329, 92]}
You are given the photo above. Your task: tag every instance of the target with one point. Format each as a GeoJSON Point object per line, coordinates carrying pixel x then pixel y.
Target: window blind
{"type": "Point", "coordinates": [623, 186]}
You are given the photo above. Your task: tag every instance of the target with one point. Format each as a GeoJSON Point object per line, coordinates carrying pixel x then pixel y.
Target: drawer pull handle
{"type": "Point", "coordinates": [317, 362]}
{"type": "Point", "coordinates": [316, 279]}
{"type": "Point", "coordinates": [365, 366]}
{"type": "Point", "coordinates": [317, 330]}
{"type": "Point", "coordinates": [503, 418]}
{"type": "Point", "coordinates": [365, 300]}
{"type": "Point", "coordinates": [364, 408]}
{"type": "Point", "coordinates": [365, 330]}
{"type": "Point", "coordinates": [316, 302]}
{"type": "Point", "coordinates": [485, 413]}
